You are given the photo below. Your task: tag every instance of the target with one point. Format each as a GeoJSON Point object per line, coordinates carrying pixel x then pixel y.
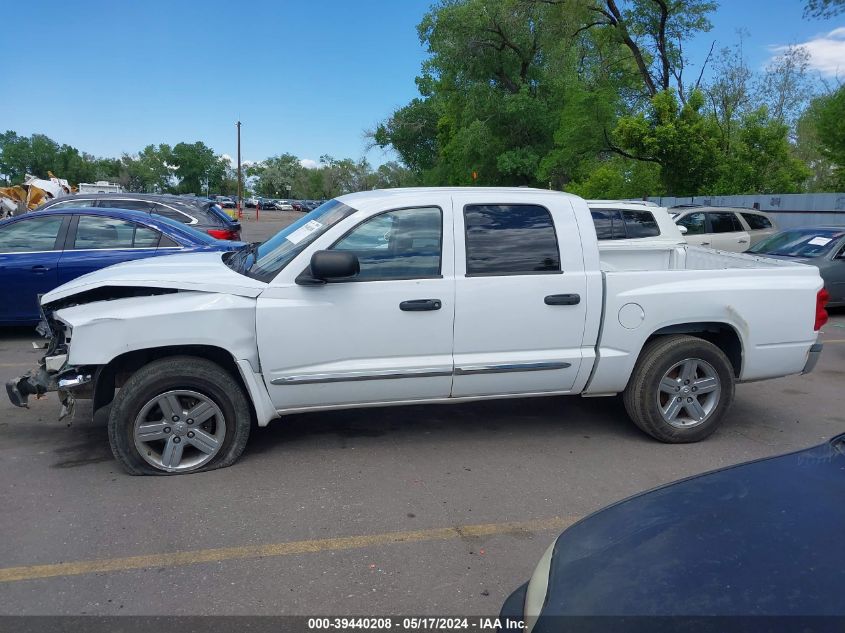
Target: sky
{"type": "Point", "coordinates": [303, 77]}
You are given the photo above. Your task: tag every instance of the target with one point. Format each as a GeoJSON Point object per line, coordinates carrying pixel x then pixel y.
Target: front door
{"type": "Point", "coordinates": [521, 297]}
{"type": "Point", "coordinates": [29, 257]}
{"type": "Point", "coordinates": [383, 336]}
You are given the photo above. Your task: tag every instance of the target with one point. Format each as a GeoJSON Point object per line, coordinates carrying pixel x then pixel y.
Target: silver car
{"type": "Point", "coordinates": [724, 228]}
{"type": "Point", "coordinates": [820, 246]}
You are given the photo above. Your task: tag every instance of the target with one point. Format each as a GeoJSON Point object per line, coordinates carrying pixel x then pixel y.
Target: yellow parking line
{"type": "Point", "coordinates": [175, 559]}
{"type": "Point", "coordinates": [833, 340]}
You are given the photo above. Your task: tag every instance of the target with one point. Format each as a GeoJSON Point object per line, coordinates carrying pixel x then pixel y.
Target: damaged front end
{"type": "Point", "coordinates": [53, 373]}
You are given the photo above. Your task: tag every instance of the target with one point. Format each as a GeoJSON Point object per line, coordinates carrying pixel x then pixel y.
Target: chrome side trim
{"type": "Point", "coordinates": [502, 368]}
{"type": "Point", "coordinates": [354, 376]}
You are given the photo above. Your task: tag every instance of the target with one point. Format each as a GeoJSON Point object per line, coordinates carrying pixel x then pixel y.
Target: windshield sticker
{"type": "Point", "coordinates": [820, 241]}
{"type": "Point", "coordinates": [303, 231]}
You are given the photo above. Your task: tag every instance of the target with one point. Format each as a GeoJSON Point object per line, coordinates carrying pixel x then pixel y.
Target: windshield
{"type": "Point", "coordinates": [799, 243]}
{"type": "Point", "coordinates": [267, 259]}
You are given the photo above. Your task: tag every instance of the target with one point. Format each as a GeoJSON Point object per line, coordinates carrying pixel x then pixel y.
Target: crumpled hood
{"type": "Point", "coordinates": [203, 272]}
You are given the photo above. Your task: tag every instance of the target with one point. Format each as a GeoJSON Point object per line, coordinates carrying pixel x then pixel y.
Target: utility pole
{"type": "Point", "coordinates": [240, 186]}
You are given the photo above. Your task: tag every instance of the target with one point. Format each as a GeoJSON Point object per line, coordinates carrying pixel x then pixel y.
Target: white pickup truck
{"type": "Point", "coordinates": [412, 296]}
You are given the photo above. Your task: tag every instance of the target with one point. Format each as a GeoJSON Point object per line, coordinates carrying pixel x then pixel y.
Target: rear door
{"type": "Point", "coordinates": [727, 233]}
{"type": "Point", "coordinates": [520, 304]}
{"type": "Point", "coordinates": [96, 241]}
{"type": "Point", "coordinates": [29, 256]}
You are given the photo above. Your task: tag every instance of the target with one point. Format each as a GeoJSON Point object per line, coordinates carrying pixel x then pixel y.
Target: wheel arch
{"type": "Point", "coordinates": [114, 374]}
{"type": "Point", "coordinates": [721, 334]}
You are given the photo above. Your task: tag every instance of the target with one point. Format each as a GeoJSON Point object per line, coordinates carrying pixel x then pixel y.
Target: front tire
{"type": "Point", "coordinates": [680, 389]}
{"type": "Point", "coordinates": [178, 415]}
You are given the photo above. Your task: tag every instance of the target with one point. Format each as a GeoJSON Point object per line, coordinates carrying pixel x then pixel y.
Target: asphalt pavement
{"type": "Point", "coordinates": [441, 509]}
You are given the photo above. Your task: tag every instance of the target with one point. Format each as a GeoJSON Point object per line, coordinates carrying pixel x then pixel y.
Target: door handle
{"type": "Point", "coordinates": [39, 269]}
{"type": "Point", "coordinates": [562, 300]}
{"type": "Point", "coordinates": [705, 243]}
{"type": "Point", "coordinates": [742, 241]}
{"type": "Point", "coordinates": [420, 305]}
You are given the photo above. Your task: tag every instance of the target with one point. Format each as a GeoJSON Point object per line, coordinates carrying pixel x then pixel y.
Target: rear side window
{"type": "Point", "coordinates": [724, 223]}
{"type": "Point", "coordinates": [640, 224]}
{"type": "Point", "coordinates": [695, 223]}
{"type": "Point", "coordinates": [173, 214]}
{"type": "Point", "coordinates": [94, 232]}
{"type": "Point", "coordinates": [757, 222]}
{"type": "Point", "coordinates": [510, 239]}
{"type": "Point", "coordinates": [73, 203]}
{"type": "Point", "coordinates": [132, 205]}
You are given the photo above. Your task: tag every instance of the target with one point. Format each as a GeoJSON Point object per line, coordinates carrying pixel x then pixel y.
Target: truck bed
{"type": "Point", "coordinates": [649, 289]}
{"type": "Point", "coordinates": [629, 258]}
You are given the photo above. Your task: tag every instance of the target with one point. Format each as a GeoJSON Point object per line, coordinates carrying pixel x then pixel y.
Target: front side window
{"type": "Point", "coordinates": [724, 223]}
{"type": "Point", "coordinates": [695, 223]}
{"type": "Point", "coordinates": [398, 244]}
{"type": "Point", "coordinates": [757, 222]}
{"type": "Point", "coordinates": [95, 232]}
{"type": "Point", "coordinates": [510, 239]}
{"type": "Point", "coordinates": [31, 235]}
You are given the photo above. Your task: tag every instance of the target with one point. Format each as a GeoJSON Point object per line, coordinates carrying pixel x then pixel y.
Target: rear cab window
{"type": "Point", "coordinates": [620, 224]}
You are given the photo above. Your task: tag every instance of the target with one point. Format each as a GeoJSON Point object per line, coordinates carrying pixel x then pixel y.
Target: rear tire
{"type": "Point", "coordinates": [178, 415]}
{"type": "Point", "coordinates": [680, 389]}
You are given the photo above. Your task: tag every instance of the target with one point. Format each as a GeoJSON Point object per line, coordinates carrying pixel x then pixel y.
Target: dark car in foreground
{"type": "Point", "coordinates": [764, 539]}
{"type": "Point", "coordinates": [198, 213]}
{"type": "Point", "coordinates": [42, 250]}
{"type": "Point", "coordinates": [820, 246]}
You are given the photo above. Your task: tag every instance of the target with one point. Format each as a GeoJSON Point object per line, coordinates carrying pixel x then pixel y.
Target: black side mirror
{"type": "Point", "coordinates": [330, 265]}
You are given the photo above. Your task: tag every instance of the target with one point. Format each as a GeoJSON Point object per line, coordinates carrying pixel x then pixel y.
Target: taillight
{"type": "Point", "coordinates": [821, 314]}
{"type": "Point", "coordinates": [223, 234]}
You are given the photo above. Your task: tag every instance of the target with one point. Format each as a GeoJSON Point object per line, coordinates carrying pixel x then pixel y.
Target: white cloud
{"type": "Point", "coordinates": [309, 163]}
{"type": "Point", "coordinates": [226, 157]}
{"type": "Point", "coordinates": [827, 52]}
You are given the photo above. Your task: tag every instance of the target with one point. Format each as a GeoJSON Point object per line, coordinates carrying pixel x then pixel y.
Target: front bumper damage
{"type": "Point", "coordinates": [53, 374]}
{"type": "Point", "coordinates": [70, 383]}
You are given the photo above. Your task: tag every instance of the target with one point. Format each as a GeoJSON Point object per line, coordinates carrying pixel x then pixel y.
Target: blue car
{"type": "Point", "coordinates": [45, 249]}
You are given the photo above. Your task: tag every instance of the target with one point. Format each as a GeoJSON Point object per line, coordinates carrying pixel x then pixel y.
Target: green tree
{"type": "Point", "coordinates": [828, 114]}
{"type": "Point", "coordinates": [195, 164]}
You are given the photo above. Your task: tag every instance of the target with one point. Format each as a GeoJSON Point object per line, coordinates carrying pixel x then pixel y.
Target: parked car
{"type": "Point", "coordinates": [723, 228]}
{"type": "Point", "coordinates": [199, 213]}
{"type": "Point", "coordinates": [762, 538]}
{"type": "Point", "coordinates": [298, 205]}
{"type": "Point", "coordinates": [492, 293]}
{"type": "Point", "coordinates": [820, 246]}
{"type": "Point", "coordinates": [40, 251]}
{"type": "Point", "coordinates": [283, 205]}
{"type": "Point", "coordinates": [251, 202]}
{"type": "Point", "coordinates": [226, 202]}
